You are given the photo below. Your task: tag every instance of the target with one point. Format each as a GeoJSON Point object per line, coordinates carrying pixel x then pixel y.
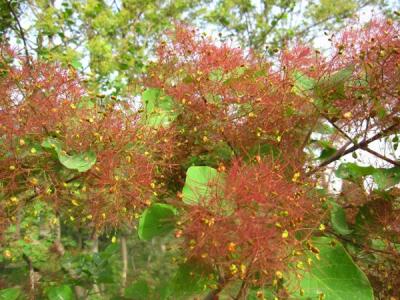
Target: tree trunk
{"type": "Point", "coordinates": [95, 249]}
{"type": "Point", "coordinates": [124, 257]}
{"type": "Point", "coordinates": [80, 292]}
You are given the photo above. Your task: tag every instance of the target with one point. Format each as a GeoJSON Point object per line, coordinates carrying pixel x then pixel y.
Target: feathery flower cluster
{"type": "Point", "coordinates": [256, 227]}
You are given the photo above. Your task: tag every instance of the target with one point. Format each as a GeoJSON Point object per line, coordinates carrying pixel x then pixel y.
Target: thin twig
{"type": "Point", "coordinates": [21, 31]}
{"type": "Point", "coordinates": [343, 151]}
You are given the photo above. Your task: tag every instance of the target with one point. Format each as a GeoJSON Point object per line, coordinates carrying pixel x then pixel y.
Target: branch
{"type": "Point", "coordinates": [213, 295]}
{"type": "Point", "coordinates": [343, 151]}
{"type": "Point", "coordinates": [21, 31]}
{"type": "Point", "coordinates": [365, 148]}
{"type": "Point", "coordinates": [393, 162]}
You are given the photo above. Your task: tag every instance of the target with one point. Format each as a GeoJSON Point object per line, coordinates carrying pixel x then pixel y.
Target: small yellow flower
{"type": "Point", "coordinates": [34, 181]}
{"type": "Point", "coordinates": [243, 269]}
{"type": "Point", "coordinates": [114, 239]}
{"type": "Point", "coordinates": [12, 168]}
{"type": "Point", "coordinates": [279, 274]}
{"type": "Point", "coordinates": [296, 177]}
{"type": "Point", "coordinates": [348, 115]}
{"type": "Point", "coordinates": [7, 254]}
{"type": "Point", "coordinates": [33, 150]}
{"type": "Point", "coordinates": [322, 227]}
{"type": "Point", "coordinates": [233, 268]}
{"type": "Point", "coordinates": [300, 265]}
{"type": "Point", "coordinates": [285, 234]}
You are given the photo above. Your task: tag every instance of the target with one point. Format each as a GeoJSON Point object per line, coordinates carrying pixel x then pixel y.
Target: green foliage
{"type": "Point", "coordinates": [50, 233]}
{"type": "Point", "coordinates": [62, 292]}
{"type": "Point", "coordinates": [81, 162]}
{"type": "Point", "coordinates": [334, 275]}
{"type": "Point", "coordinates": [338, 219]}
{"type": "Point", "coordinates": [302, 83]}
{"type": "Point", "coordinates": [190, 279]}
{"type": "Point", "coordinates": [11, 294]}
{"type": "Point", "coordinates": [201, 184]}
{"type": "Point", "coordinates": [138, 290]}
{"type": "Point", "coordinates": [159, 108]}
{"type": "Point", "coordinates": [157, 220]}
{"type": "Point", "coordinates": [383, 177]}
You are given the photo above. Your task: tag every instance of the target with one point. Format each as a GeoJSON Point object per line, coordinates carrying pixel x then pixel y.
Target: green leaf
{"type": "Point", "coordinates": [159, 108]}
{"type": "Point", "coordinates": [138, 290]}
{"type": "Point", "coordinates": [201, 183]}
{"type": "Point", "coordinates": [157, 220]}
{"type": "Point", "coordinates": [333, 86]}
{"type": "Point", "coordinates": [338, 219]}
{"type": "Point", "coordinates": [81, 162]}
{"type": "Point", "coordinates": [190, 278]}
{"type": "Point", "coordinates": [324, 129]}
{"type": "Point", "coordinates": [216, 75]}
{"type": "Point", "coordinates": [76, 63]}
{"type": "Point", "coordinates": [52, 144]}
{"type": "Point", "coordinates": [386, 178]}
{"type": "Point", "coordinates": [62, 292]}
{"type": "Point", "coordinates": [383, 177]}
{"type": "Point", "coordinates": [352, 171]}
{"type": "Point", "coordinates": [10, 294]}
{"type": "Point", "coordinates": [302, 83]}
{"type": "Point", "coordinates": [264, 150]}
{"type": "Point", "coordinates": [327, 152]}
{"type": "Point", "coordinates": [335, 276]}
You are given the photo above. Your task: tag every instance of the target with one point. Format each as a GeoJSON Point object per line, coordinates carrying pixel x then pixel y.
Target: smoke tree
{"type": "Point", "coordinates": [224, 165]}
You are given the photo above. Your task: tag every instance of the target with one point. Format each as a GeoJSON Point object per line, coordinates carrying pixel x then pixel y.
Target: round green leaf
{"type": "Point", "coordinates": [159, 108]}
{"type": "Point", "coordinates": [334, 276]}
{"type": "Point", "coordinates": [201, 183]}
{"type": "Point", "coordinates": [157, 220]}
{"type": "Point", "coordinates": [62, 292]}
{"type": "Point", "coordinates": [81, 162]}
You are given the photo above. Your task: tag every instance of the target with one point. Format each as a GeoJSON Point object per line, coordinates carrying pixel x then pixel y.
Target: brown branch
{"type": "Point", "coordinates": [365, 148]}
{"type": "Point", "coordinates": [20, 29]}
{"type": "Point", "coordinates": [393, 162]}
{"type": "Point", "coordinates": [344, 150]}
{"type": "Point", "coordinates": [242, 294]}
{"type": "Point", "coordinates": [213, 295]}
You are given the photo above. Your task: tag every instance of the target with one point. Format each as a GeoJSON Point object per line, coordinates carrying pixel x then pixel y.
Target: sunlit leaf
{"type": "Point", "coordinates": [157, 220]}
